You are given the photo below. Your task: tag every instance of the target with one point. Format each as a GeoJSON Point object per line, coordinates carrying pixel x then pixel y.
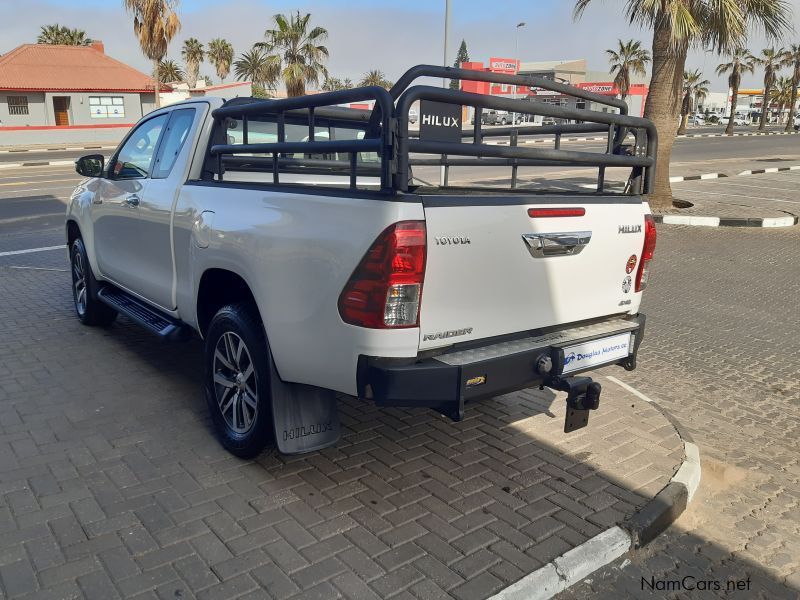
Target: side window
{"type": "Point", "coordinates": [174, 137]}
{"type": "Point", "coordinates": [135, 157]}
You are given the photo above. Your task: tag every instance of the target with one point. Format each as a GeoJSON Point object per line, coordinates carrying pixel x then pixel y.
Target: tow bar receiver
{"type": "Point", "coordinates": [583, 395]}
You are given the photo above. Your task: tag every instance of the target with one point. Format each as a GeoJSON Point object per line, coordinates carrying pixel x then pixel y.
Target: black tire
{"type": "Point", "coordinates": [89, 308]}
{"type": "Point", "coordinates": [502, 122]}
{"type": "Point", "coordinates": [244, 427]}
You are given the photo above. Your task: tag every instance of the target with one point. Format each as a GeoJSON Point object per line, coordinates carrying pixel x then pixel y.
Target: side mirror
{"type": "Point", "coordinates": [90, 165]}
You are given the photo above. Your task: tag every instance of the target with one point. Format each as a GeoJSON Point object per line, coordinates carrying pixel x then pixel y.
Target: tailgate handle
{"type": "Point", "coordinates": [541, 245]}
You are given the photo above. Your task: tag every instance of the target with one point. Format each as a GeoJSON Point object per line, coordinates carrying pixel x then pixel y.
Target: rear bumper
{"type": "Point", "coordinates": [447, 381]}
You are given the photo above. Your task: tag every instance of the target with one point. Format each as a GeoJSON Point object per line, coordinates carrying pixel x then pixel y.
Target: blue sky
{"type": "Point", "coordinates": [364, 34]}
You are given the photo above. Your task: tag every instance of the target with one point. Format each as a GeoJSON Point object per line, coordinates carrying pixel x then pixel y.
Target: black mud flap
{"type": "Point", "coordinates": [306, 418]}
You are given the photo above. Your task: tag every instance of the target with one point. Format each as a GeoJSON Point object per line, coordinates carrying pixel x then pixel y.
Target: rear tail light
{"type": "Point", "coordinates": [386, 288]}
{"type": "Point", "coordinates": [647, 252]}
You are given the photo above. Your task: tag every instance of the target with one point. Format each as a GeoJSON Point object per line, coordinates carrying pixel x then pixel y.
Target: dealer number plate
{"type": "Point", "coordinates": [597, 352]}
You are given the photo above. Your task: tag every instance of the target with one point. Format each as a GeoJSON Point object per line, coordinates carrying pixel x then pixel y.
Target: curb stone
{"type": "Point", "coordinates": [640, 529]}
{"type": "Point", "coordinates": [700, 221]}
{"type": "Point", "coordinates": [694, 135]}
{"type": "Point", "coordinates": [58, 149]}
{"type": "Point", "coordinates": [697, 177]}
{"type": "Point", "coordinates": [770, 170]}
{"type": "Point", "coordinates": [37, 163]}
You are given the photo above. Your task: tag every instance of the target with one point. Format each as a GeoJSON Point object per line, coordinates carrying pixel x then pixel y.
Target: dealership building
{"type": "Point", "coordinates": [573, 72]}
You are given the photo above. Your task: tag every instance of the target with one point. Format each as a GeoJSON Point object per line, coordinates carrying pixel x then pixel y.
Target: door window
{"type": "Point", "coordinates": [134, 159]}
{"type": "Point", "coordinates": [177, 131]}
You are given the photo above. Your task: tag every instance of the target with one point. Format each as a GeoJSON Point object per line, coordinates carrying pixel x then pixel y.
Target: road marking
{"type": "Point", "coordinates": [47, 189]}
{"type": "Point", "coordinates": [632, 390]}
{"type": "Point", "coordinates": [758, 187]}
{"type": "Point", "coordinates": [39, 177]}
{"type": "Point", "coordinates": [34, 182]}
{"type": "Point", "coordinates": [32, 250]}
{"type": "Point", "coordinates": [38, 269]}
{"type": "Point", "coordinates": [728, 194]}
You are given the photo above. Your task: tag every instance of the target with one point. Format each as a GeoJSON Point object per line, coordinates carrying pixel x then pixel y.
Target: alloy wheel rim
{"type": "Point", "coordinates": [79, 283]}
{"type": "Point", "coordinates": [235, 385]}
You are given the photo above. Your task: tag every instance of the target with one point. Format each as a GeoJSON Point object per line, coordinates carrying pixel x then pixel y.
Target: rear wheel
{"type": "Point", "coordinates": [237, 380]}
{"type": "Point", "coordinates": [90, 310]}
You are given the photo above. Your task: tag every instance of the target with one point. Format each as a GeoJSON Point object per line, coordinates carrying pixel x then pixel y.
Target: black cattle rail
{"type": "Point", "coordinates": [386, 131]}
{"type": "Point", "coordinates": [305, 106]}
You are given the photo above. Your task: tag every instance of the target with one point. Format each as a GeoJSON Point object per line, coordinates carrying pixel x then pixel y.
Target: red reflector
{"type": "Point", "coordinates": [544, 213]}
{"type": "Point", "coordinates": [631, 264]}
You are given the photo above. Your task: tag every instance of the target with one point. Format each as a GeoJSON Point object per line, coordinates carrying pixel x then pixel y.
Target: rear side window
{"type": "Point", "coordinates": [180, 124]}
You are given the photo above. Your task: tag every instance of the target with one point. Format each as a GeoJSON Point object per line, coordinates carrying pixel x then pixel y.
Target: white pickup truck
{"type": "Point", "coordinates": [293, 237]}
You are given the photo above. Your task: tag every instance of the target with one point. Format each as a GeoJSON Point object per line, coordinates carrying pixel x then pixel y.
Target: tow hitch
{"type": "Point", "coordinates": [583, 395]}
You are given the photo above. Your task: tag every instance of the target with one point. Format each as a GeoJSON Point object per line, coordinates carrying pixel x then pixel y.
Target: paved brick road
{"type": "Point", "coordinates": [723, 355]}
{"type": "Point", "coordinates": [111, 483]}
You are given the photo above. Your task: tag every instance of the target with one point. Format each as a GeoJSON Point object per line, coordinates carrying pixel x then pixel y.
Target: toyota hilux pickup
{"type": "Point", "coordinates": [304, 243]}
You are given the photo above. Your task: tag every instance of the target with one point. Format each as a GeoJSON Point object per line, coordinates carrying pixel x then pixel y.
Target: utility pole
{"type": "Point", "coordinates": [517, 61]}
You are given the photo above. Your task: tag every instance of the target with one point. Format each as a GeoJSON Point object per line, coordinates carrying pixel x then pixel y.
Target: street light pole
{"type": "Point", "coordinates": [443, 169]}
{"type": "Point", "coordinates": [446, 36]}
{"type": "Point", "coordinates": [516, 70]}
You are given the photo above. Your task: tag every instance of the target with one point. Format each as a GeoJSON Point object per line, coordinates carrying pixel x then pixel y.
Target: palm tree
{"type": "Point", "coordinates": [57, 34]}
{"type": "Point", "coordinates": [332, 84]}
{"type": "Point", "coordinates": [375, 77]}
{"type": "Point", "coordinates": [295, 53]}
{"type": "Point", "coordinates": [694, 90]}
{"type": "Point", "coordinates": [252, 66]}
{"type": "Point", "coordinates": [772, 60]}
{"type": "Point", "coordinates": [629, 58]}
{"type": "Point", "coordinates": [220, 54]}
{"type": "Point", "coordinates": [793, 60]}
{"type": "Point", "coordinates": [741, 62]}
{"type": "Point", "coordinates": [678, 25]}
{"type": "Point", "coordinates": [783, 95]}
{"type": "Point", "coordinates": [193, 54]}
{"type": "Point", "coordinates": [169, 70]}
{"type": "Point", "coordinates": [155, 23]}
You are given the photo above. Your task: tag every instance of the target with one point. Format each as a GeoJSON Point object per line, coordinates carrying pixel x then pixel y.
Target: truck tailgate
{"type": "Point", "coordinates": [494, 269]}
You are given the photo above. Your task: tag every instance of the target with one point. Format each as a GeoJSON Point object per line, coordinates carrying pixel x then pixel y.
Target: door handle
{"type": "Point", "coordinates": [542, 245]}
{"type": "Point", "coordinates": [132, 200]}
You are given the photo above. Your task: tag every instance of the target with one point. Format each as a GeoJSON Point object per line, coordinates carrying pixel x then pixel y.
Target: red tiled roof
{"type": "Point", "coordinates": [68, 68]}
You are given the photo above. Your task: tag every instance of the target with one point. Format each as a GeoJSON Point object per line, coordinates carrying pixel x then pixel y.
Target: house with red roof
{"type": "Point", "coordinates": [51, 93]}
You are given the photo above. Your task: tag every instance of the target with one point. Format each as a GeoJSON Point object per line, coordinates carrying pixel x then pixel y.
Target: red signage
{"type": "Point", "coordinates": [599, 88]}
{"type": "Point", "coordinates": [503, 65]}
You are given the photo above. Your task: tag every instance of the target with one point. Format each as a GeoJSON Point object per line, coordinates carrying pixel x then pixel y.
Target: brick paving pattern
{"type": "Point", "coordinates": [112, 485]}
{"type": "Point", "coordinates": [722, 354]}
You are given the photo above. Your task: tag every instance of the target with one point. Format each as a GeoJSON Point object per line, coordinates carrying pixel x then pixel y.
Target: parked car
{"type": "Point", "coordinates": [306, 280]}
{"type": "Point", "coordinates": [697, 120]}
{"type": "Point", "coordinates": [497, 117]}
{"type": "Point", "coordinates": [413, 115]}
{"type": "Point", "coordinates": [797, 123]}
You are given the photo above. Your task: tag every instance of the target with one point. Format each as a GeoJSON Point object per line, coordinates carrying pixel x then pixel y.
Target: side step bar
{"type": "Point", "coordinates": [145, 315]}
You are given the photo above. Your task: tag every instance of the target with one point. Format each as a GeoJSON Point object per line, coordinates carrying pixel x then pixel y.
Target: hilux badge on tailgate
{"type": "Point", "coordinates": [630, 229]}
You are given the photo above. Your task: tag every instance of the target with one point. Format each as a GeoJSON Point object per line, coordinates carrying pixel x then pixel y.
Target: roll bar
{"type": "Point", "coordinates": [386, 132]}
